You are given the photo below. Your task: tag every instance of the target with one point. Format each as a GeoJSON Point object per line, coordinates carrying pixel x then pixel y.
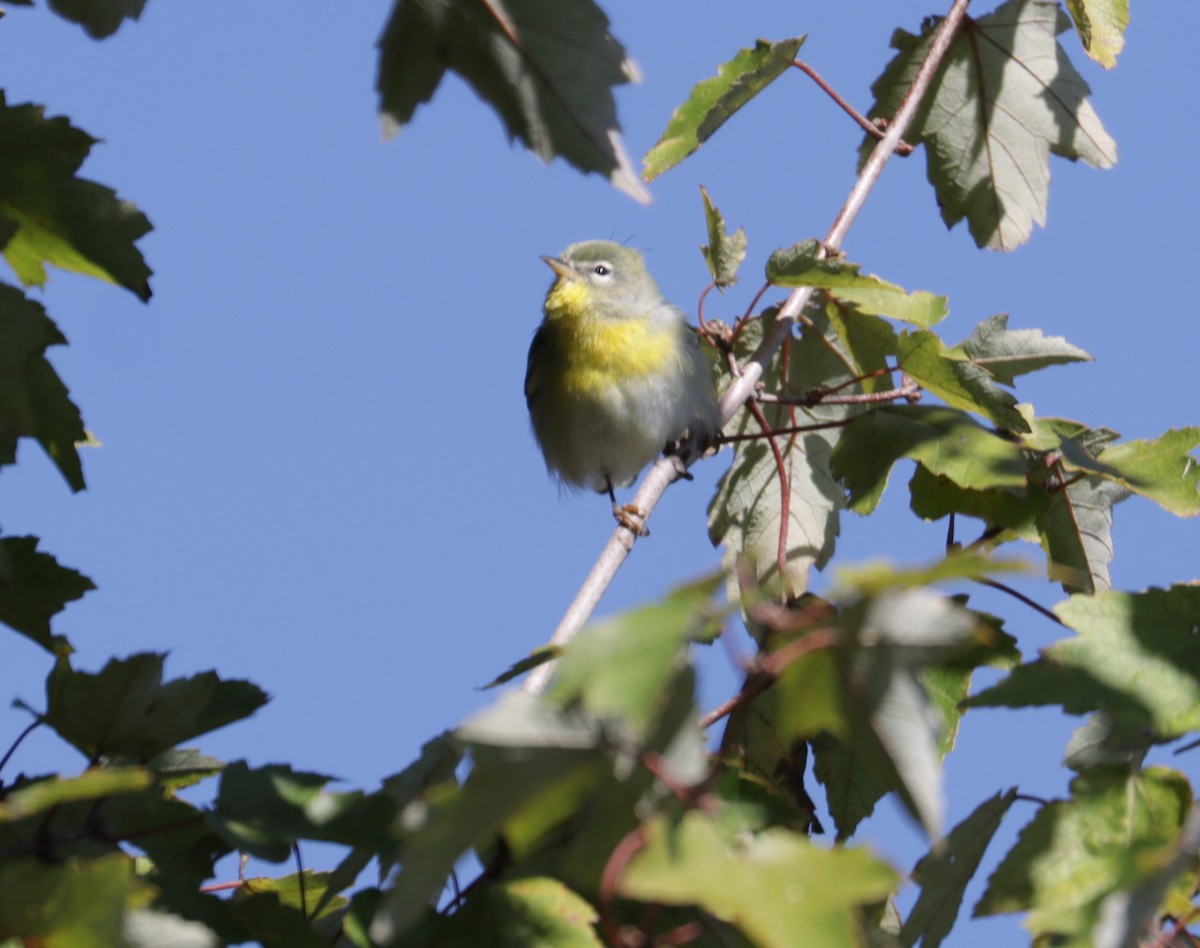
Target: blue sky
{"type": "Point", "coordinates": [317, 471]}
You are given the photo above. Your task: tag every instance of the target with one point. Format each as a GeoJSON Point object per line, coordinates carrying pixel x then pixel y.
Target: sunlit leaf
{"type": "Point", "coordinates": [960, 383]}
{"type": "Point", "coordinates": [1162, 469]}
{"type": "Point", "coordinates": [713, 102]}
{"type": "Point", "coordinates": [943, 440]}
{"type": "Point", "coordinates": [521, 913]}
{"type": "Point", "coordinates": [1136, 657]}
{"type": "Point", "coordinates": [724, 251]}
{"type": "Point", "coordinates": [1007, 353]}
{"type": "Point", "coordinates": [547, 69]}
{"type": "Point", "coordinates": [1004, 99]}
{"type": "Point", "coordinates": [1101, 27]}
{"type": "Point", "coordinates": [1110, 835]}
{"type": "Point", "coordinates": [778, 888]}
{"type": "Point", "coordinates": [801, 265]}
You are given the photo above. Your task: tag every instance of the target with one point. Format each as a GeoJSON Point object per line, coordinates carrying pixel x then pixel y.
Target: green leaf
{"type": "Point", "coordinates": [33, 400]}
{"type": "Point", "coordinates": [778, 888]}
{"type": "Point", "coordinates": [296, 891]}
{"type": "Point", "coordinates": [70, 222]}
{"type": "Point", "coordinates": [1162, 469]}
{"type": "Point", "coordinates": [34, 588]}
{"type": "Point", "coordinates": [1007, 353]}
{"type": "Point", "coordinates": [1101, 27]}
{"type": "Point", "coordinates": [1077, 534]}
{"type": "Point", "coordinates": [39, 796]}
{"type": "Point", "coordinates": [747, 513]}
{"type": "Point", "coordinates": [539, 656]}
{"type": "Point", "coordinates": [1004, 99]}
{"type": "Point", "coordinates": [79, 903]}
{"type": "Point", "coordinates": [126, 709]}
{"type": "Point", "coordinates": [945, 872]}
{"type": "Point", "coordinates": [620, 667]}
{"type": "Point", "coordinates": [521, 913]}
{"type": "Point", "coordinates": [713, 102]}
{"type": "Point", "coordinates": [957, 382]}
{"type": "Point", "coordinates": [100, 18]}
{"type": "Point", "coordinates": [943, 440]}
{"type": "Point", "coordinates": [526, 755]}
{"type": "Point", "coordinates": [724, 252]}
{"type": "Point", "coordinates": [868, 340]}
{"type": "Point", "coordinates": [801, 265]}
{"type": "Point", "coordinates": [547, 70]}
{"type": "Point", "coordinates": [1136, 657]}
{"type": "Point", "coordinates": [1111, 835]}
{"type": "Point", "coordinates": [264, 810]}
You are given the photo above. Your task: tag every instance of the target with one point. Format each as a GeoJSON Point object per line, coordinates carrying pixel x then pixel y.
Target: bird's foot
{"type": "Point", "coordinates": [632, 518]}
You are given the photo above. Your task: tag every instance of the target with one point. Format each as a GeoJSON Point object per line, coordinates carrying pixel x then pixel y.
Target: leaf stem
{"type": "Point", "coordinates": [903, 148]}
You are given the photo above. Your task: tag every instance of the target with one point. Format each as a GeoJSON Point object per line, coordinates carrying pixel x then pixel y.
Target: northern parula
{"type": "Point", "coordinates": [615, 374]}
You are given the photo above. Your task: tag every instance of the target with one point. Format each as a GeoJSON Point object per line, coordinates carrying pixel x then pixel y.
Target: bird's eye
{"type": "Point", "coordinates": [602, 269]}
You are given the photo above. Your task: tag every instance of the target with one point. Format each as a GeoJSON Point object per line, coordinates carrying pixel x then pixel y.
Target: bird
{"type": "Point", "coordinates": [615, 374]}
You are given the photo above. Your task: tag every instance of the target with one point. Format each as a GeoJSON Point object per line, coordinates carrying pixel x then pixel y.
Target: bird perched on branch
{"type": "Point", "coordinates": [615, 374]}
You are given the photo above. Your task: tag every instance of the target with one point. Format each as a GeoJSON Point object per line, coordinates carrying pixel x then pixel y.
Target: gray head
{"type": "Point", "coordinates": [616, 277]}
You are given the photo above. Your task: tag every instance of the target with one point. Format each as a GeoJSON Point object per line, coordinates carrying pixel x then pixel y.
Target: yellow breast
{"type": "Point", "coordinates": [597, 352]}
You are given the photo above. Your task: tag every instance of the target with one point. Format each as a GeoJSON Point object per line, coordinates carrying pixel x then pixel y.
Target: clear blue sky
{"type": "Point", "coordinates": [317, 471]}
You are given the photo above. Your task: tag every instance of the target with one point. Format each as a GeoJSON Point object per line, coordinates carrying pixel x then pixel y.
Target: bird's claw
{"type": "Point", "coordinates": [632, 518]}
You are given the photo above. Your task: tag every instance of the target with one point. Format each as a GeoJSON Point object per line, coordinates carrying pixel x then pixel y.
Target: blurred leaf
{"type": "Point", "coordinates": [100, 18]}
{"type": "Point", "coordinates": [70, 222]}
{"type": "Point", "coordinates": [724, 252]}
{"type": "Point", "coordinates": [272, 923]}
{"type": "Point", "coordinates": [957, 382]}
{"type": "Point", "coordinates": [1096, 743]}
{"type": "Point", "coordinates": [945, 441]}
{"type": "Point", "coordinates": [523, 752]}
{"type": "Point", "coordinates": [297, 891]}
{"type": "Point", "coordinates": [539, 656]}
{"type": "Point", "coordinates": [1007, 353]}
{"type": "Point", "coordinates": [126, 709]}
{"type": "Point", "coordinates": [264, 810]}
{"type": "Point", "coordinates": [521, 913]}
{"type": "Point", "coordinates": [801, 265]}
{"type": "Point", "coordinates": [880, 576]}
{"type": "Point", "coordinates": [150, 929]}
{"type": "Point", "coordinates": [78, 903]}
{"type": "Point", "coordinates": [1162, 469]}
{"type": "Point", "coordinates": [620, 667]}
{"type": "Point", "coordinates": [1136, 657]}
{"type": "Point", "coordinates": [1127, 915]}
{"type": "Point", "coordinates": [1101, 27]}
{"type": "Point", "coordinates": [778, 888]}
{"type": "Point", "coordinates": [1005, 97]}
{"type": "Point", "coordinates": [96, 784]}
{"type": "Point", "coordinates": [713, 102]}
{"type": "Point", "coordinates": [33, 588]}
{"type": "Point", "coordinates": [945, 872]}
{"type": "Point", "coordinates": [747, 512]}
{"type": "Point", "coordinates": [33, 400]}
{"type": "Point", "coordinates": [1114, 832]}
{"type": "Point", "coordinates": [546, 69]}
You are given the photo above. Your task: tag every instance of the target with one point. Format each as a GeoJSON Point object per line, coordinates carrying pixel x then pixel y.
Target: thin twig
{"type": "Point", "coordinates": [17, 743]}
{"type": "Point", "coordinates": [904, 148]}
{"type": "Point", "coordinates": [1021, 597]}
{"type": "Point", "coordinates": [669, 469]}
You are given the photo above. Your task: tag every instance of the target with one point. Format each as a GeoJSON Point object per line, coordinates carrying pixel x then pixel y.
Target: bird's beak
{"type": "Point", "coordinates": [561, 270]}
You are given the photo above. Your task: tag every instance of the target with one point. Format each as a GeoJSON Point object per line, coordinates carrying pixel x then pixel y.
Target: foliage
{"type": "Point", "coordinates": [607, 810]}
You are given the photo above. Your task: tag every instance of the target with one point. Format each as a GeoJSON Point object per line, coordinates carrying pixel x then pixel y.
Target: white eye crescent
{"type": "Point", "coordinates": [602, 269]}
